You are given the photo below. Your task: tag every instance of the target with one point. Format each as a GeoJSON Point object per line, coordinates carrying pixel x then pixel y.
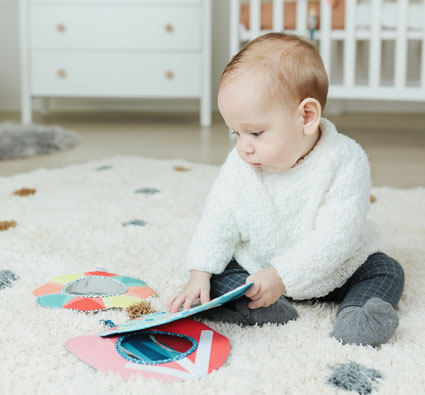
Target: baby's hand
{"type": "Point", "coordinates": [197, 286]}
{"type": "Point", "coordinates": [267, 288]}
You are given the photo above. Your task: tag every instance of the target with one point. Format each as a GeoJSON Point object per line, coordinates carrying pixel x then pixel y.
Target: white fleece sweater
{"type": "Point", "coordinates": [308, 222]}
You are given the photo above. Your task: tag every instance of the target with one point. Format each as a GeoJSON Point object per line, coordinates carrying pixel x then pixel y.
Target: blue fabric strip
{"type": "Point", "coordinates": [140, 347]}
{"type": "Point", "coordinates": [148, 350]}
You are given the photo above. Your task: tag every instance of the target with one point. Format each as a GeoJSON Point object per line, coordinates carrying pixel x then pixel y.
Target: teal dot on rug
{"type": "Point", "coordinates": [6, 278]}
{"type": "Point", "coordinates": [101, 168]}
{"type": "Point", "coordinates": [354, 377]}
{"type": "Point", "coordinates": [148, 191]}
{"type": "Point", "coordinates": [136, 222]}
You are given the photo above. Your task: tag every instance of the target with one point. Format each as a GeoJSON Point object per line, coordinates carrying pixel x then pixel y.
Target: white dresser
{"type": "Point", "coordinates": [116, 49]}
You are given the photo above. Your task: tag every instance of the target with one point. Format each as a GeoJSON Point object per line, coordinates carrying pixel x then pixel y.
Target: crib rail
{"type": "Point", "coordinates": [348, 86]}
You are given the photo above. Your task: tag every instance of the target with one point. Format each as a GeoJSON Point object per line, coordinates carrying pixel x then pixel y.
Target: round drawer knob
{"type": "Point", "coordinates": [169, 28]}
{"type": "Point", "coordinates": [62, 73]}
{"type": "Point", "coordinates": [60, 27]}
{"type": "Point", "coordinates": [169, 75]}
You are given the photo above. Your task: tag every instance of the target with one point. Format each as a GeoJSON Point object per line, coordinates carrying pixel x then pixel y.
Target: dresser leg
{"type": "Point", "coordinates": [205, 112]}
{"type": "Point", "coordinates": [45, 106]}
{"type": "Point", "coordinates": [205, 143]}
{"type": "Point", "coordinates": [26, 110]}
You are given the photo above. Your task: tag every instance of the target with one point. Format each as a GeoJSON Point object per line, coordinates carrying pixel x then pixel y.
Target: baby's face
{"type": "Point", "coordinates": [269, 134]}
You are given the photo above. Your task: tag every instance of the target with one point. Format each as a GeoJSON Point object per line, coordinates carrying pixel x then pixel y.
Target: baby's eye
{"type": "Point", "coordinates": [234, 133]}
{"type": "Point", "coordinates": [256, 134]}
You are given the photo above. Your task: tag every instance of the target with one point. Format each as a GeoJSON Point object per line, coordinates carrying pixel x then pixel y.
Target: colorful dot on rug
{"type": "Point", "coordinates": [147, 191]}
{"type": "Point", "coordinates": [6, 278]}
{"type": "Point", "coordinates": [181, 168]}
{"type": "Point", "coordinates": [136, 222]}
{"type": "Point", "coordinates": [5, 225]}
{"type": "Point", "coordinates": [354, 377]}
{"type": "Point", "coordinates": [24, 192]}
{"type": "Point", "coordinates": [101, 168]}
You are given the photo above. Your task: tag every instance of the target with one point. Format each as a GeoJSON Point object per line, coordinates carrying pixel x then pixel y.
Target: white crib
{"type": "Point", "coordinates": [379, 54]}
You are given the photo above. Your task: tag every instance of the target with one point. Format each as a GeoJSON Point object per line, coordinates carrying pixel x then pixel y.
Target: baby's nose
{"type": "Point", "coordinates": [247, 147]}
{"type": "Point", "coordinates": [250, 149]}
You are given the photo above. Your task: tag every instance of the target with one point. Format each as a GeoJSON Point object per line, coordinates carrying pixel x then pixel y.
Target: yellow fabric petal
{"type": "Point", "coordinates": [67, 278]}
{"type": "Point", "coordinates": [119, 300]}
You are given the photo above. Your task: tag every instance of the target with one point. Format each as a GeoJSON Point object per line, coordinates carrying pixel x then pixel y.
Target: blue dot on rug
{"type": "Point", "coordinates": [136, 222]}
{"type": "Point", "coordinates": [148, 191]}
{"type": "Point", "coordinates": [354, 377]}
{"type": "Point", "coordinates": [101, 168]}
{"type": "Point", "coordinates": [6, 278]}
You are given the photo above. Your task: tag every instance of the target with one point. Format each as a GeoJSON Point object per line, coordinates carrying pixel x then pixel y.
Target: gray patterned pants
{"type": "Point", "coordinates": [379, 277]}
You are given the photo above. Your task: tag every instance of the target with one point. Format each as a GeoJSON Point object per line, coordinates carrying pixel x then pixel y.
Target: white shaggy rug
{"type": "Point", "coordinates": [74, 223]}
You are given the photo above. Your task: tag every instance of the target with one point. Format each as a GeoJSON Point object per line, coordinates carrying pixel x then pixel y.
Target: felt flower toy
{"type": "Point", "coordinates": [92, 291]}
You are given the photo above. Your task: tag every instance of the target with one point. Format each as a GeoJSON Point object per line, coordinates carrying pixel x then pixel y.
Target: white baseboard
{"type": "Point", "coordinates": [334, 106]}
{"type": "Point", "coordinates": [192, 105]}
{"type": "Point", "coordinates": [121, 105]}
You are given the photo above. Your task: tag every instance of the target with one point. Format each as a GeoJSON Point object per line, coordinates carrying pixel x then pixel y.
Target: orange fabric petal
{"type": "Point", "coordinates": [49, 288]}
{"type": "Point", "coordinates": [141, 292]}
{"type": "Point", "coordinates": [99, 273]}
{"type": "Point", "coordinates": [85, 304]}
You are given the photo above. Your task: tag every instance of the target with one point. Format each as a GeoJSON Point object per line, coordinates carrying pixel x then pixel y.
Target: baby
{"type": "Point", "coordinates": [288, 208]}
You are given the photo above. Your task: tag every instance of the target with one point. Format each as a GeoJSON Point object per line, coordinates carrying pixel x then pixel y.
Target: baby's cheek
{"type": "Point", "coordinates": [241, 156]}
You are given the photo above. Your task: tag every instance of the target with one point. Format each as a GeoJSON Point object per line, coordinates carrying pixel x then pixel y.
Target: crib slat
{"type": "Point", "coordinates": [423, 53]}
{"type": "Point", "coordinates": [234, 27]}
{"type": "Point", "coordinates": [278, 10]}
{"type": "Point", "coordinates": [350, 43]}
{"type": "Point", "coordinates": [255, 18]}
{"type": "Point", "coordinates": [301, 17]}
{"type": "Point", "coordinates": [375, 45]}
{"type": "Point", "coordinates": [401, 45]}
{"type": "Point", "coordinates": [325, 33]}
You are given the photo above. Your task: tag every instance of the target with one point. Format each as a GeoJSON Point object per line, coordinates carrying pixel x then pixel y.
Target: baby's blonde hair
{"type": "Point", "coordinates": [293, 66]}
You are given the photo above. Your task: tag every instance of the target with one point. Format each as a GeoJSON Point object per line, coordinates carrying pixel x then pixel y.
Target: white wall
{"type": "Point", "coordinates": [9, 73]}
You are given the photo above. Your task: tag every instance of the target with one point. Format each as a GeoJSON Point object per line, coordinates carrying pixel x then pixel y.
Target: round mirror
{"type": "Point", "coordinates": [155, 347]}
{"type": "Point", "coordinates": [95, 286]}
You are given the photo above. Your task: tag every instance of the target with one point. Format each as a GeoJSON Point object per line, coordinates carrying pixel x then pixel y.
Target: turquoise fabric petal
{"type": "Point", "coordinates": [54, 300]}
{"type": "Point", "coordinates": [130, 282]}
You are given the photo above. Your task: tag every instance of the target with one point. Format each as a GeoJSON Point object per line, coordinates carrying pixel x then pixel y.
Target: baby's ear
{"type": "Point", "coordinates": [311, 111]}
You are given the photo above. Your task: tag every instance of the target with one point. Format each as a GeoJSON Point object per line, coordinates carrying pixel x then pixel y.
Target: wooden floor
{"type": "Point", "coordinates": [395, 143]}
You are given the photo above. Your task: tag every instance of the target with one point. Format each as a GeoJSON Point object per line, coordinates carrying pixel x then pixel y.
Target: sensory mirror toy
{"type": "Point", "coordinates": [180, 350]}
{"type": "Point", "coordinates": [92, 291]}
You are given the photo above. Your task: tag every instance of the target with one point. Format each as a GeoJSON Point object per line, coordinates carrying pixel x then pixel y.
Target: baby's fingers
{"type": "Point", "coordinates": [189, 300]}
{"type": "Point", "coordinates": [171, 301]}
{"type": "Point", "coordinates": [255, 304]}
{"type": "Point", "coordinates": [205, 295]}
{"type": "Point", "coordinates": [177, 302]}
{"type": "Point", "coordinates": [253, 291]}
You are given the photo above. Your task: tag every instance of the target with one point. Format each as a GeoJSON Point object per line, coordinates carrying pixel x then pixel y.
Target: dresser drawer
{"type": "Point", "coordinates": [116, 2]}
{"type": "Point", "coordinates": [128, 26]}
{"type": "Point", "coordinates": [115, 74]}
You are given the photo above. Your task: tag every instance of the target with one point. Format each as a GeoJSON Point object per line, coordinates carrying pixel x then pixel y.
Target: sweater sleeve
{"type": "Point", "coordinates": [306, 266]}
{"type": "Point", "coordinates": [216, 234]}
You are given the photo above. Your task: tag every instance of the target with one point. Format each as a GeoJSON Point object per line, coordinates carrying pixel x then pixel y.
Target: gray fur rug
{"type": "Point", "coordinates": [22, 141]}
